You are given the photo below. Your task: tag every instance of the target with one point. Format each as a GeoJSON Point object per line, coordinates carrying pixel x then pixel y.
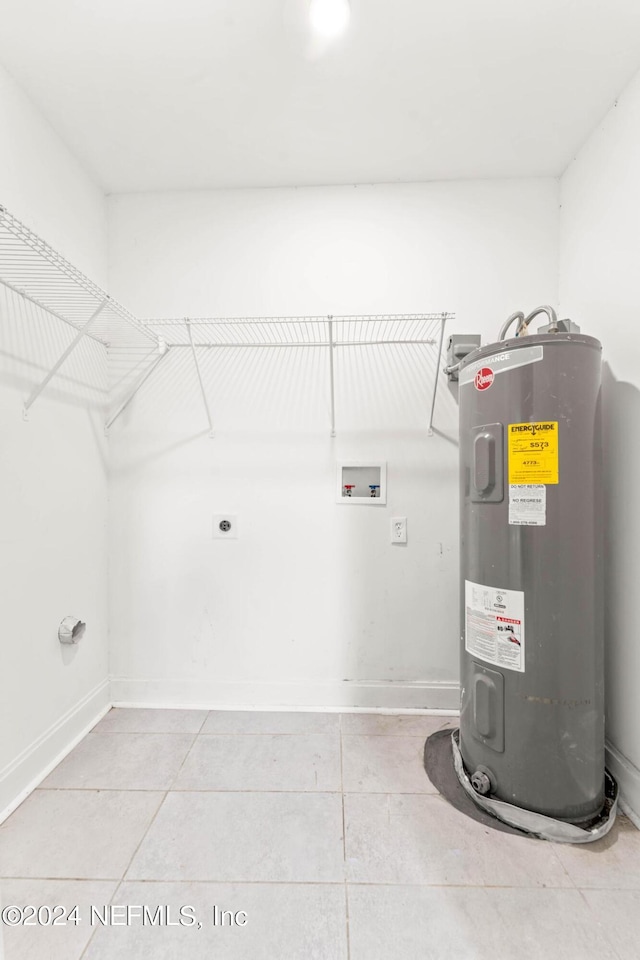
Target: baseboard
{"type": "Point", "coordinates": [28, 770]}
{"type": "Point", "coordinates": [248, 695]}
{"type": "Point", "coordinates": [628, 777]}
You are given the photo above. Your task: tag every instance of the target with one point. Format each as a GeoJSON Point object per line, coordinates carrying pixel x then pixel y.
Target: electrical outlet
{"type": "Point", "coordinates": [398, 529]}
{"type": "Point", "coordinates": [225, 526]}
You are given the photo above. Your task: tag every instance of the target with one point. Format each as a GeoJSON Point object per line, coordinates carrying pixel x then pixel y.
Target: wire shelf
{"type": "Point", "coordinates": [313, 331]}
{"type": "Point", "coordinates": [33, 269]}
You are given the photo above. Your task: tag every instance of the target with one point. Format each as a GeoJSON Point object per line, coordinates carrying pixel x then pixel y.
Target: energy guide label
{"type": "Point", "coordinates": [533, 452]}
{"type": "Point", "coordinates": [494, 625]}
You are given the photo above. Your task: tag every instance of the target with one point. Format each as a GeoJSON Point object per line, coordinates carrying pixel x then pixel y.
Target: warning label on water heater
{"type": "Point", "coordinates": [528, 505]}
{"type": "Point", "coordinates": [494, 625]}
{"type": "Point", "coordinates": [533, 452]}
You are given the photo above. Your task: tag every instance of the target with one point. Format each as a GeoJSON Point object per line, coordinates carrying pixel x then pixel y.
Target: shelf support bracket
{"type": "Point", "coordinates": [74, 343]}
{"type": "Point", "coordinates": [200, 380]}
{"type": "Point", "coordinates": [164, 352]}
{"type": "Point", "coordinates": [443, 322]}
{"type": "Point", "coordinates": [331, 376]}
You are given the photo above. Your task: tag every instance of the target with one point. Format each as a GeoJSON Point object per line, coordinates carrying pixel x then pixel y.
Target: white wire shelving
{"type": "Point", "coordinates": [35, 271]}
{"type": "Point", "coordinates": [31, 268]}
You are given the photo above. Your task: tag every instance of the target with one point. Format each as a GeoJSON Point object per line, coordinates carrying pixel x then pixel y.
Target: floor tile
{"type": "Point", "coordinates": [48, 941]}
{"type": "Point", "coordinates": [283, 922]}
{"type": "Point", "coordinates": [612, 862]}
{"type": "Point", "coordinates": [254, 822]}
{"type": "Point", "coordinates": [396, 725]}
{"type": "Point", "coordinates": [270, 722]}
{"type": "Point", "coordinates": [287, 837]}
{"type": "Point", "coordinates": [439, 923]}
{"type": "Point", "coordinates": [75, 833]}
{"type": "Point", "coordinates": [291, 763]}
{"type": "Point", "coordinates": [422, 839]}
{"type": "Point", "coordinates": [122, 761]}
{"type": "Point", "coordinates": [618, 912]}
{"type": "Point", "coordinates": [383, 764]}
{"type": "Point", "coordinates": [144, 720]}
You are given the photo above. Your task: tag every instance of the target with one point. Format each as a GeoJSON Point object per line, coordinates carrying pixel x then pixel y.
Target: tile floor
{"type": "Point", "coordinates": [323, 829]}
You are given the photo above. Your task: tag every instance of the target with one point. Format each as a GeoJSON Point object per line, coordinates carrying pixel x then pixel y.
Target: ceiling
{"type": "Point", "coordinates": [189, 94]}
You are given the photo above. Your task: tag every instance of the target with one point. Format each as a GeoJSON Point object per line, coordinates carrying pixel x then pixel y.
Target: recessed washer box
{"type": "Point", "coordinates": [362, 481]}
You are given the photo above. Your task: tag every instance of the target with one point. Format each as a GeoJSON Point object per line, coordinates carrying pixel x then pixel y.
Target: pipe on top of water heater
{"type": "Point", "coordinates": [525, 321]}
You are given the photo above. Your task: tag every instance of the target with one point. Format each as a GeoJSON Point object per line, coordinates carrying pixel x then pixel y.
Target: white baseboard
{"type": "Point", "coordinates": [247, 695]}
{"type": "Point", "coordinates": [19, 778]}
{"type": "Point", "coordinates": [628, 777]}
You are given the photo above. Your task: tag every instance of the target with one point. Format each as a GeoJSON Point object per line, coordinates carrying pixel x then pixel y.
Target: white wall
{"type": "Point", "coordinates": [600, 253]}
{"type": "Point", "coordinates": [53, 470]}
{"type": "Point", "coordinates": [311, 605]}
{"type": "Point", "coordinates": [44, 185]}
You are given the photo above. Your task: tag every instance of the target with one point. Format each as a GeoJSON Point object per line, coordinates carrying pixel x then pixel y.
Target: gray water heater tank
{"type": "Point", "coordinates": [532, 714]}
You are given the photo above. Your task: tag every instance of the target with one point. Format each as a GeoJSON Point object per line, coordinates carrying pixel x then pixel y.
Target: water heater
{"type": "Point", "coordinates": [532, 715]}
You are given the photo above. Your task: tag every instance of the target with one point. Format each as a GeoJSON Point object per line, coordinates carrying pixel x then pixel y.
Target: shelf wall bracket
{"type": "Point", "coordinates": [331, 376]}
{"type": "Point", "coordinates": [443, 323]}
{"type": "Point", "coordinates": [74, 343]}
{"type": "Point", "coordinates": [164, 352]}
{"type": "Point", "coordinates": [200, 380]}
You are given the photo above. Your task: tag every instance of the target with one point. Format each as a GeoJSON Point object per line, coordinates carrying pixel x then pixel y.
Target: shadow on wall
{"type": "Point", "coordinates": [32, 343]}
{"type": "Point", "coordinates": [621, 429]}
{"type": "Point", "coordinates": [287, 388]}
{"type": "Point", "coordinates": [400, 601]}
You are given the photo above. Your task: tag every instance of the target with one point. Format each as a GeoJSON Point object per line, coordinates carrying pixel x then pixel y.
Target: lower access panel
{"type": "Point", "coordinates": [487, 700]}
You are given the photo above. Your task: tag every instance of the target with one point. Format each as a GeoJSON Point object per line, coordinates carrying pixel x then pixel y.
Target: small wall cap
{"type": "Point", "coordinates": [71, 630]}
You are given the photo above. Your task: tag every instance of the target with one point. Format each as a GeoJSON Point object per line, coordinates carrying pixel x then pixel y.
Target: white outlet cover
{"type": "Point", "coordinates": [221, 532]}
{"type": "Point", "coordinates": [398, 529]}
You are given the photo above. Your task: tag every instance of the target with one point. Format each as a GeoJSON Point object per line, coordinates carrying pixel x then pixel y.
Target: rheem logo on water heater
{"type": "Point", "coordinates": [483, 378]}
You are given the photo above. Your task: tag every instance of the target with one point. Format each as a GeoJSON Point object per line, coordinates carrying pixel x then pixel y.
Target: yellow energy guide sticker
{"type": "Point", "coordinates": [533, 452]}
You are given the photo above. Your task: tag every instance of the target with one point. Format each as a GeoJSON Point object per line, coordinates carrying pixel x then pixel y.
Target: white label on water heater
{"type": "Point", "coordinates": [528, 504]}
{"type": "Point", "coordinates": [494, 625]}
